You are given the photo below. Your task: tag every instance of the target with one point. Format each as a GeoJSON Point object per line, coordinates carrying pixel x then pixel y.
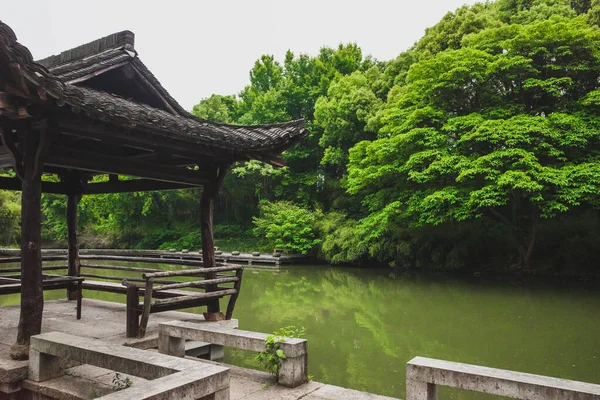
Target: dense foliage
{"type": "Point", "coordinates": [286, 225]}
{"type": "Point", "coordinates": [476, 148]}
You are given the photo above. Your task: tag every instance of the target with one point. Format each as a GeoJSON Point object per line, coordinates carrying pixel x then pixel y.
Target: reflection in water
{"type": "Point", "coordinates": [364, 325]}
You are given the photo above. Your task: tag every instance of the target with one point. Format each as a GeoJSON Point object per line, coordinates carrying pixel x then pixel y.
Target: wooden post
{"type": "Point", "coordinates": [207, 202]}
{"type": "Point", "coordinates": [147, 305]}
{"type": "Point", "coordinates": [237, 286]}
{"type": "Point", "coordinates": [208, 245]}
{"type": "Point", "coordinates": [73, 196]}
{"type": "Point", "coordinates": [32, 296]}
{"type": "Point", "coordinates": [133, 322]}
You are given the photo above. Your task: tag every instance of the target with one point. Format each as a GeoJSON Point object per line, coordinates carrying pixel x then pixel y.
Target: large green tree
{"type": "Point", "coordinates": [503, 129]}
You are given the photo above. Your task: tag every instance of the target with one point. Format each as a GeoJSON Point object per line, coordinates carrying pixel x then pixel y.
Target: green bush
{"type": "Point", "coordinates": [340, 242]}
{"type": "Point", "coordinates": [10, 217]}
{"type": "Point", "coordinates": [286, 225]}
{"type": "Point", "coordinates": [231, 231]}
{"type": "Point", "coordinates": [228, 237]}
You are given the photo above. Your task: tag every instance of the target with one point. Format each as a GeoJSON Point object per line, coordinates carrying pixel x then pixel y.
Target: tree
{"type": "Point", "coordinates": [594, 13]}
{"type": "Point", "coordinates": [217, 108]}
{"type": "Point", "coordinates": [344, 116]}
{"type": "Point", "coordinates": [286, 226]}
{"type": "Point", "coordinates": [477, 134]}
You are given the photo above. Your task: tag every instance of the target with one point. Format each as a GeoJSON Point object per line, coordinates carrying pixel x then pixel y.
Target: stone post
{"type": "Point", "coordinates": [416, 390]}
{"type": "Point", "coordinates": [44, 366]}
{"type": "Point", "coordinates": [171, 345]}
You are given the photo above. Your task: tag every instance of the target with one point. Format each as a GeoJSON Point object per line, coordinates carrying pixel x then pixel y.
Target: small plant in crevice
{"type": "Point", "coordinates": [93, 393]}
{"type": "Point", "coordinates": [270, 359]}
{"type": "Point", "coordinates": [120, 383]}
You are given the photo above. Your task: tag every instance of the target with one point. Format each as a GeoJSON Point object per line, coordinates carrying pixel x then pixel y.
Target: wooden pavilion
{"type": "Point", "coordinates": [96, 109]}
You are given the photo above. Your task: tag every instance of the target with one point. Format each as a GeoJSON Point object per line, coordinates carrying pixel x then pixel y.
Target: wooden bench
{"type": "Point", "coordinates": [294, 368]}
{"type": "Point", "coordinates": [12, 285]}
{"type": "Point", "coordinates": [168, 377]}
{"type": "Point", "coordinates": [424, 375]}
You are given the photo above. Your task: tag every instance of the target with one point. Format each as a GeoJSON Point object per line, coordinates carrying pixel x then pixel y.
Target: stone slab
{"type": "Point", "coordinates": [250, 375]}
{"type": "Point", "coordinates": [10, 370]}
{"type": "Point", "coordinates": [243, 388]}
{"type": "Point", "coordinates": [132, 361]}
{"type": "Point", "coordinates": [68, 388]}
{"type": "Point", "coordinates": [87, 371]}
{"type": "Point", "coordinates": [237, 338]}
{"type": "Point", "coordinates": [423, 374]}
{"type": "Point", "coordinates": [330, 392]}
{"type": "Point", "coordinates": [284, 393]}
{"type": "Point", "coordinates": [294, 367]}
{"type": "Point", "coordinates": [168, 377]}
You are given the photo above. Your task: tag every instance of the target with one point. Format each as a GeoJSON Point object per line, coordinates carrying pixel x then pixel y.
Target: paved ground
{"type": "Point", "coordinates": [106, 321]}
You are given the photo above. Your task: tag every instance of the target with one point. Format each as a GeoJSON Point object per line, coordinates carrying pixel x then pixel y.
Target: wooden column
{"type": "Point", "coordinates": [208, 244]}
{"type": "Point", "coordinates": [73, 195]}
{"type": "Point", "coordinates": [209, 193]}
{"type": "Point", "coordinates": [29, 167]}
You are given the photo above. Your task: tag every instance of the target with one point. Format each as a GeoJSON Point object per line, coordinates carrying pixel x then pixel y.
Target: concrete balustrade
{"type": "Point", "coordinates": [169, 377]}
{"type": "Point", "coordinates": [294, 368]}
{"type": "Point", "coordinates": [424, 375]}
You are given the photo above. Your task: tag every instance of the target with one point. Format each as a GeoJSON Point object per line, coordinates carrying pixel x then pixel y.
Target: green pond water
{"type": "Point", "coordinates": [364, 325]}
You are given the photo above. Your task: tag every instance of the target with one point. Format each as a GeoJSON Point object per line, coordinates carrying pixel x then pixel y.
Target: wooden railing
{"type": "Point", "coordinates": [181, 299]}
{"type": "Point", "coordinates": [168, 290]}
{"type": "Point", "coordinates": [424, 375]}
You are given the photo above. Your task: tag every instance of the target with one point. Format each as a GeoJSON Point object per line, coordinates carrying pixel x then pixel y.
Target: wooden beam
{"type": "Point", "coordinates": [47, 187]}
{"type": "Point", "coordinates": [107, 164]}
{"type": "Point", "coordinates": [135, 185]}
{"type": "Point", "coordinates": [143, 140]}
{"type": "Point", "coordinates": [153, 90]}
{"type": "Point", "coordinates": [165, 159]}
{"type": "Point", "coordinates": [7, 161]}
{"type": "Point", "coordinates": [96, 73]}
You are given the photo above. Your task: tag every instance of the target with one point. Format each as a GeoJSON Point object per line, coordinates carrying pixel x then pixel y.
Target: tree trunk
{"type": "Point", "coordinates": [32, 295]}
{"type": "Point", "coordinates": [524, 241]}
{"type": "Point", "coordinates": [532, 238]}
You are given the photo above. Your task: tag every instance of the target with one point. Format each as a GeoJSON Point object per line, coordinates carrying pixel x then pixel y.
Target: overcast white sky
{"type": "Point", "coordinates": [197, 48]}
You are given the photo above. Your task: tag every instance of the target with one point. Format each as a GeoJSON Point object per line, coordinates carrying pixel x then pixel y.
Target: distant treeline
{"type": "Point", "coordinates": [478, 148]}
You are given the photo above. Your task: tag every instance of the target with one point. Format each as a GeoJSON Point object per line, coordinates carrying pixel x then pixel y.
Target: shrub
{"type": "Point", "coordinates": [286, 225]}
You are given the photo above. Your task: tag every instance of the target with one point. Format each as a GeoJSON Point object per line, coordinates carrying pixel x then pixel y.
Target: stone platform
{"type": "Point", "coordinates": [106, 321]}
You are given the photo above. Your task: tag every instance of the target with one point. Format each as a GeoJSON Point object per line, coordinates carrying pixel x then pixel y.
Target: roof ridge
{"type": "Point", "coordinates": [96, 46]}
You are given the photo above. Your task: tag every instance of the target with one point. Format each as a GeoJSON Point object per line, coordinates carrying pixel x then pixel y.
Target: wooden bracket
{"type": "Point", "coordinates": [223, 169]}
{"type": "Point", "coordinates": [40, 152]}
{"type": "Point", "coordinates": [73, 182]}
{"type": "Point", "coordinates": [6, 131]}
